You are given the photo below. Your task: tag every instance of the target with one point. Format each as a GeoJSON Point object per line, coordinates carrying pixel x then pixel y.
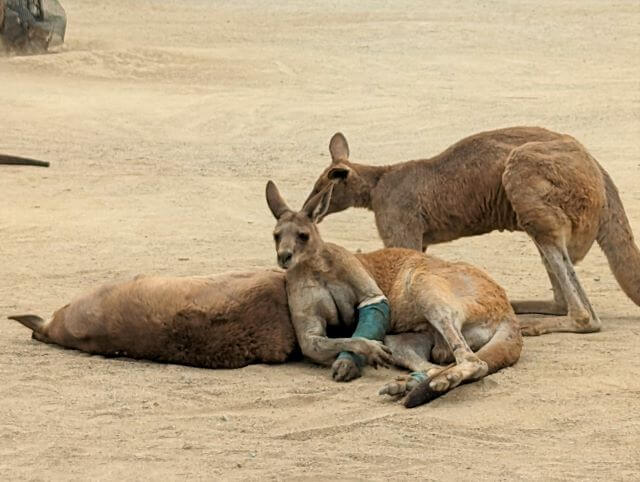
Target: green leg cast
{"type": "Point", "coordinates": [418, 376]}
{"type": "Point", "coordinates": [374, 321]}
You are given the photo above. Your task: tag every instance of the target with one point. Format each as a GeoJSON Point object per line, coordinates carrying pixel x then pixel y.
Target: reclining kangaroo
{"type": "Point", "coordinates": [519, 179]}
{"type": "Point", "coordinates": [440, 311]}
{"type": "Point", "coordinates": [224, 321]}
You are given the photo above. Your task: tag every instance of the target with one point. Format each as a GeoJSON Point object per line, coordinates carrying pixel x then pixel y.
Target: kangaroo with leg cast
{"type": "Point", "coordinates": [516, 179]}
{"type": "Point", "coordinates": [441, 312]}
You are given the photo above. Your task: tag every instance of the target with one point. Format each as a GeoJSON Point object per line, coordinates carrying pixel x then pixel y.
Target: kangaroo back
{"type": "Point", "coordinates": [616, 240]}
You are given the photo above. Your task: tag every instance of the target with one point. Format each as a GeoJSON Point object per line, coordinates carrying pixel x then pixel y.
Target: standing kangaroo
{"type": "Point", "coordinates": [439, 311]}
{"type": "Point", "coordinates": [519, 179]}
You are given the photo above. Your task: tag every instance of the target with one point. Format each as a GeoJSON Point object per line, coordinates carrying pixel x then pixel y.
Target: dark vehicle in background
{"type": "Point", "coordinates": [31, 26]}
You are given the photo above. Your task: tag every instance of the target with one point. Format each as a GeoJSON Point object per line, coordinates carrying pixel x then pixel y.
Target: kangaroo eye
{"type": "Point", "coordinates": [304, 237]}
{"type": "Point", "coordinates": [276, 237]}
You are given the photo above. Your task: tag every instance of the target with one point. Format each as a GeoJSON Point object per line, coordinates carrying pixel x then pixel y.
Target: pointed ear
{"type": "Point", "coordinates": [339, 148]}
{"type": "Point", "coordinates": [316, 207]}
{"type": "Point", "coordinates": [277, 205]}
{"type": "Point", "coordinates": [338, 173]}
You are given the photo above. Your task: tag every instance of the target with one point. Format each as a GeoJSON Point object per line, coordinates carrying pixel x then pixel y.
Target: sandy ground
{"type": "Point", "coordinates": [163, 120]}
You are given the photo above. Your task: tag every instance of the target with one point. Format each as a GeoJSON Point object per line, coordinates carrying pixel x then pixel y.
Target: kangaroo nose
{"type": "Point", "coordinates": [284, 259]}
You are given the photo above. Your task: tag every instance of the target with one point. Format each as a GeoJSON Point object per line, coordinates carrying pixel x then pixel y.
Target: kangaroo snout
{"type": "Point", "coordinates": [284, 259]}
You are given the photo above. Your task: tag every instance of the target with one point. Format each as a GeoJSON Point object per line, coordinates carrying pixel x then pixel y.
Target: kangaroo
{"type": "Point", "coordinates": [21, 161]}
{"type": "Point", "coordinates": [223, 321]}
{"type": "Point", "coordinates": [454, 309]}
{"type": "Point", "coordinates": [517, 179]}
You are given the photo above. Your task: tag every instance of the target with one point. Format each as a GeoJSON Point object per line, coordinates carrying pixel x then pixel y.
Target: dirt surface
{"type": "Point", "coordinates": [163, 120]}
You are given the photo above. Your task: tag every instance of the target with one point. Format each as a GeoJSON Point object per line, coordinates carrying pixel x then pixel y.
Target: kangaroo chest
{"type": "Point", "coordinates": [331, 300]}
{"type": "Point", "coordinates": [345, 302]}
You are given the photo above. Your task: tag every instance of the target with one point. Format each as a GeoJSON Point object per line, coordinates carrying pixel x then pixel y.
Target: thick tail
{"type": "Point", "coordinates": [616, 240]}
{"type": "Point", "coordinates": [21, 161]}
{"type": "Point", "coordinates": [33, 322]}
{"type": "Point", "coordinates": [502, 350]}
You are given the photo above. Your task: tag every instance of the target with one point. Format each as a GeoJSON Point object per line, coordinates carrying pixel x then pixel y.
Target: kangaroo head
{"type": "Point", "coordinates": [296, 234]}
{"type": "Point", "coordinates": [349, 187]}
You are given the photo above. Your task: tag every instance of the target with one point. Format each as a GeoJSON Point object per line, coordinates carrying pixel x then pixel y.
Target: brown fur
{"type": "Point", "coordinates": [519, 178]}
{"type": "Point", "coordinates": [21, 161]}
{"type": "Point", "coordinates": [224, 321]}
{"type": "Point", "coordinates": [456, 308]}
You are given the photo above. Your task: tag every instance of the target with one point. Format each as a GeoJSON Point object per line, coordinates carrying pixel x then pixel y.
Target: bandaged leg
{"type": "Point", "coordinates": [374, 320]}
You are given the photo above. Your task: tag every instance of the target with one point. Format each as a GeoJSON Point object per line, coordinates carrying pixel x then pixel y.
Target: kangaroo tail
{"type": "Point", "coordinates": [33, 322]}
{"type": "Point", "coordinates": [21, 161]}
{"type": "Point", "coordinates": [502, 350]}
{"type": "Point", "coordinates": [616, 240]}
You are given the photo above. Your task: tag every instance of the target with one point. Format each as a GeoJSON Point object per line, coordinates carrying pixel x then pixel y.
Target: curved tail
{"type": "Point", "coordinates": [21, 161]}
{"type": "Point", "coordinates": [501, 351]}
{"type": "Point", "coordinates": [616, 240]}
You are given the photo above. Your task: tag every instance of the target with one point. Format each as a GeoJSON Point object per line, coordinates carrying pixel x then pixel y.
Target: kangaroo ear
{"type": "Point", "coordinates": [339, 148]}
{"type": "Point", "coordinates": [338, 173]}
{"type": "Point", "coordinates": [316, 207]}
{"type": "Point", "coordinates": [277, 205]}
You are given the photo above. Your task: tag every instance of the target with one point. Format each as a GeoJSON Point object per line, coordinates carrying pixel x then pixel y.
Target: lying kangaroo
{"type": "Point", "coordinates": [519, 179]}
{"type": "Point", "coordinates": [224, 321]}
{"type": "Point", "coordinates": [21, 161]}
{"type": "Point", "coordinates": [457, 308]}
